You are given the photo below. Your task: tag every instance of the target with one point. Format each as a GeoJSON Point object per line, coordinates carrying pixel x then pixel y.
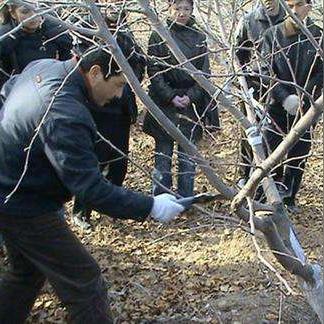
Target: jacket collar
{"type": "Point", "coordinates": [292, 29]}
{"type": "Point", "coordinates": [178, 27]}
{"type": "Point", "coordinates": [261, 15]}
{"type": "Point", "coordinates": [79, 80]}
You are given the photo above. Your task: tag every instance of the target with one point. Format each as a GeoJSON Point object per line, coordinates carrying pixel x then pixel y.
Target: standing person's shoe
{"type": "Point", "coordinates": [82, 220]}
{"type": "Point", "coordinates": [81, 215]}
{"type": "Point", "coordinates": [291, 205]}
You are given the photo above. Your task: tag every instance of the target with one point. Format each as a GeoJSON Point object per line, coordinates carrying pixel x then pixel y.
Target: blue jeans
{"type": "Point", "coordinates": [162, 172]}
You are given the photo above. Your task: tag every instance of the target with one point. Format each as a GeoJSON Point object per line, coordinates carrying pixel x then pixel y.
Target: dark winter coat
{"type": "Point", "coordinates": [166, 83]}
{"type": "Point", "coordinates": [251, 29]}
{"type": "Point", "coordinates": [62, 161]}
{"type": "Point", "coordinates": [124, 109]}
{"type": "Point", "coordinates": [114, 122]}
{"type": "Point", "coordinates": [307, 67]}
{"type": "Point", "coordinates": [20, 48]}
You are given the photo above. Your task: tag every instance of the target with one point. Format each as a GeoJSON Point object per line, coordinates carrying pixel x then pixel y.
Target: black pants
{"type": "Point", "coordinates": [163, 163]}
{"type": "Point", "coordinates": [246, 157]}
{"type": "Point", "coordinates": [41, 248]}
{"type": "Point", "coordinates": [291, 175]}
{"type": "Point", "coordinates": [117, 131]}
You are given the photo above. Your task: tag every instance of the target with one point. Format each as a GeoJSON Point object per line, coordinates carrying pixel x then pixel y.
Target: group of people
{"type": "Point", "coordinates": [55, 99]}
{"type": "Point", "coordinates": [57, 96]}
{"type": "Point", "coordinates": [275, 48]}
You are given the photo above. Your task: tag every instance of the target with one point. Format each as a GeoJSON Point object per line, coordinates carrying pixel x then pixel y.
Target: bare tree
{"type": "Point", "coordinates": [219, 22]}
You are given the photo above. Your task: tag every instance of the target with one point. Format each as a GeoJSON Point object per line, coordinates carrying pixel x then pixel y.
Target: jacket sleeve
{"type": "Point", "coordinates": [61, 37]}
{"type": "Point", "coordinates": [158, 84]}
{"type": "Point", "coordinates": [64, 43]}
{"type": "Point", "coordinates": [130, 104]}
{"type": "Point", "coordinates": [279, 91]}
{"type": "Point", "coordinates": [9, 43]}
{"type": "Point", "coordinates": [6, 89]}
{"type": "Point", "coordinates": [4, 75]}
{"type": "Point", "coordinates": [315, 84]}
{"type": "Point", "coordinates": [195, 92]}
{"type": "Point", "coordinates": [69, 147]}
{"type": "Point", "coordinates": [242, 42]}
{"type": "Point", "coordinates": [140, 56]}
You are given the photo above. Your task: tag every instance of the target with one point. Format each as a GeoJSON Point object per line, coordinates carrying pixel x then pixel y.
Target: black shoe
{"type": "Point", "coordinates": [293, 209]}
{"type": "Point", "coordinates": [291, 206]}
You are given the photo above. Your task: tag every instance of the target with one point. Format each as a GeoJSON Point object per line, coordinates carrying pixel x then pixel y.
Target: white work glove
{"type": "Point", "coordinates": [165, 208]}
{"type": "Point", "coordinates": [291, 104]}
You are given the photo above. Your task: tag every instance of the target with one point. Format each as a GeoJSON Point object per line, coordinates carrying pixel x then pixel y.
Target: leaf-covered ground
{"type": "Point", "coordinates": [199, 268]}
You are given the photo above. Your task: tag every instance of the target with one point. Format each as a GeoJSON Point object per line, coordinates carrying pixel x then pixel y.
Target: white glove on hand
{"type": "Point", "coordinates": [165, 208]}
{"type": "Point", "coordinates": [291, 104]}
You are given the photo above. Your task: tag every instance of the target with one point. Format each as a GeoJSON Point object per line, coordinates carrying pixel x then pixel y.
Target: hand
{"type": "Point", "coordinates": [291, 104]}
{"type": "Point", "coordinates": [302, 11]}
{"type": "Point", "coordinates": [165, 208]}
{"type": "Point", "coordinates": [185, 100]}
{"type": "Point", "coordinates": [177, 102]}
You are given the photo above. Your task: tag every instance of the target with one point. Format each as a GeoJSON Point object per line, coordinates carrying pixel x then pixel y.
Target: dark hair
{"type": "Point", "coordinates": [101, 55]}
{"type": "Point", "coordinates": [172, 2]}
{"type": "Point", "coordinates": [307, 1]}
{"type": "Point", "coordinates": [5, 16]}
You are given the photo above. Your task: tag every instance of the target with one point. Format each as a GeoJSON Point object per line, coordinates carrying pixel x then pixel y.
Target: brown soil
{"type": "Point", "coordinates": [198, 269]}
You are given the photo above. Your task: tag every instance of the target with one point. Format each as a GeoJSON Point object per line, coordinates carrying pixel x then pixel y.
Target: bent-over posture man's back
{"type": "Point", "coordinates": [61, 163]}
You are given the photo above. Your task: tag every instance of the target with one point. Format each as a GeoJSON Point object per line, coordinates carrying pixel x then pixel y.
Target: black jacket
{"type": "Point", "coordinates": [61, 161]}
{"type": "Point", "coordinates": [20, 48]}
{"type": "Point", "coordinates": [123, 110]}
{"type": "Point", "coordinates": [306, 67]}
{"type": "Point", "coordinates": [167, 82]}
{"type": "Point", "coordinates": [251, 29]}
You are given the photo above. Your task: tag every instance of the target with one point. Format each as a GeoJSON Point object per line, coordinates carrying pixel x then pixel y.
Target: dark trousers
{"type": "Point", "coordinates": [41, 248]}
{"type": "Point", "coordinates": [163, 164]}
{"type": "Point", "coordinates": [246, 157]}
{"type": "Point", "coordinates": [291, 175]}
{"type": "Point", "coordinates": [118, 133]}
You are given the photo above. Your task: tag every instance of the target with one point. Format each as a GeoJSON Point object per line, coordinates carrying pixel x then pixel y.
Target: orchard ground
{"type": "Point", "coordinates": [199, 268]}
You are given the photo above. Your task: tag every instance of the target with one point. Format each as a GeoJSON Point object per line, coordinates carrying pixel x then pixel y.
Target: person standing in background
{"type": "Point", "coordinates": [249, 34]}
{"type": "Point", "coordinates": [289, 56]}
{"type": "Point", "coordinates": [114, 122]}
{"type": "Point", "coordinates": [38, 38]}
{"type": "Point", "coordinates": [178, 95]}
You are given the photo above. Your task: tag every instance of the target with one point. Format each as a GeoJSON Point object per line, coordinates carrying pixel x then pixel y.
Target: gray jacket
{"type": "Point", "coordinates": [62, 162]}
{"type": "Point", "coordinates": [251, 29]}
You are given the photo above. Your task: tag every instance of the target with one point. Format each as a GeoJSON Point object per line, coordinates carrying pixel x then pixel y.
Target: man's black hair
{"type": "Point", "coordinates": [172, 2]}
{"type": "Point", "coordinates": [100, 55]}
{"type": "Point", "coordinates": [307, 1]}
